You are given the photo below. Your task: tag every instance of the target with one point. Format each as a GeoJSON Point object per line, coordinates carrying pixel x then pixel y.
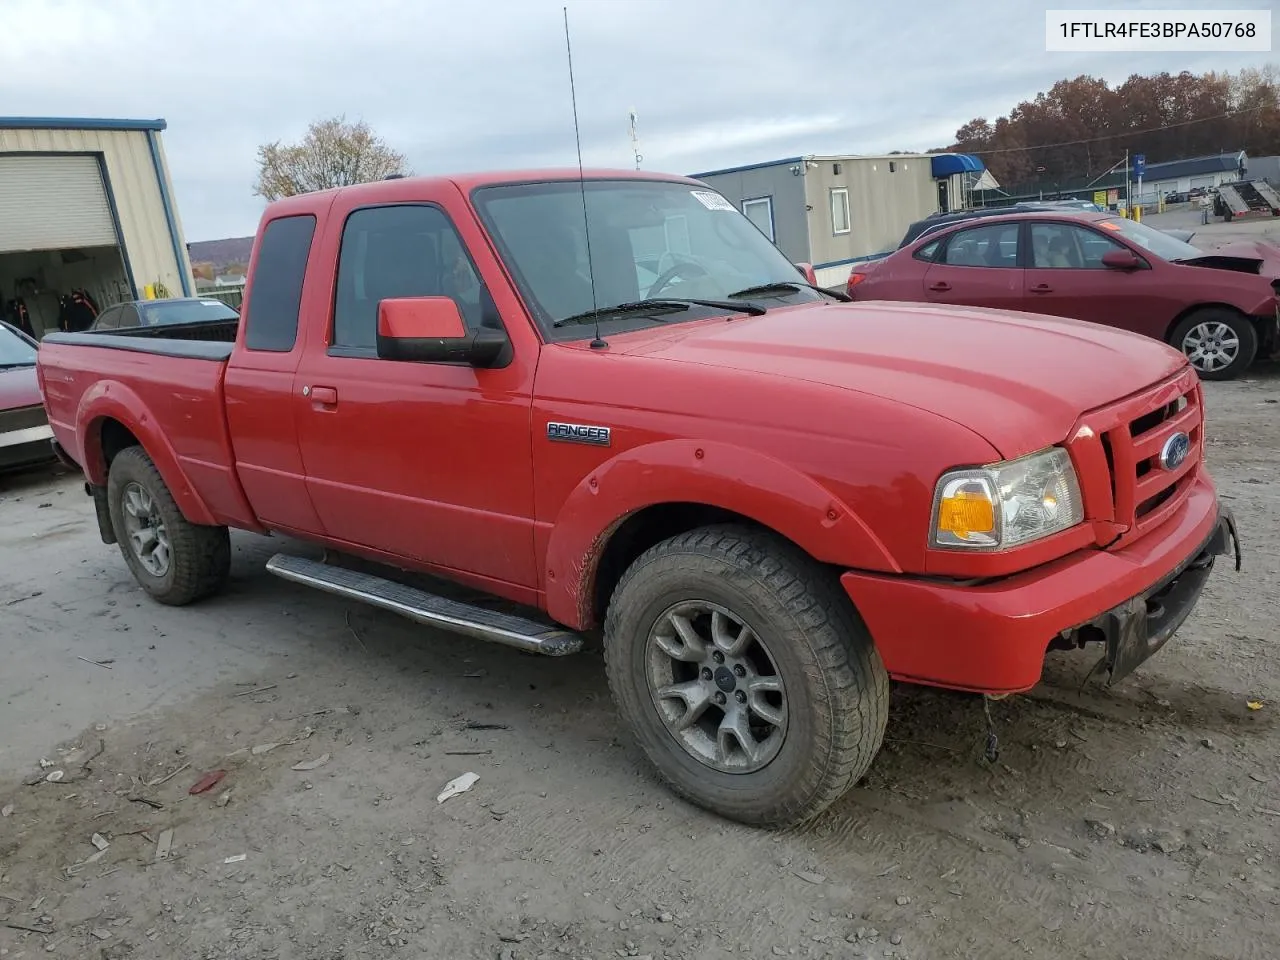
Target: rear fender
{"type": "Point", "coordinates": [768, 491]}
{"type": "Point", "coordinates": [112, 400]}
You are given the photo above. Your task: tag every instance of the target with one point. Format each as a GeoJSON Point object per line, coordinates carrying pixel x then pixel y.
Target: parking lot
{"type": "Point", "coordinates": [1142, 821]}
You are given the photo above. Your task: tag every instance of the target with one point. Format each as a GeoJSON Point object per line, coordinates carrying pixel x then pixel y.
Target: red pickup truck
{"type": "Point", "coordinates": [609, 400]}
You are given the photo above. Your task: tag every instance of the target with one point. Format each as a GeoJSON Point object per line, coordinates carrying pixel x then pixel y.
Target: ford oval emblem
{"type": "Point", "coordinates": [1175, 451]}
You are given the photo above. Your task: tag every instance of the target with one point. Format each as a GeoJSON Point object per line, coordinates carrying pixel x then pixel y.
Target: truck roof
{"type": "Point", "coordinates": [405, 188]}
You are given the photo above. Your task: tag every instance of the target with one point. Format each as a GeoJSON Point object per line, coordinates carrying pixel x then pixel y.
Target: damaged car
{"type": "Point", "coordinates": [1220, 308]}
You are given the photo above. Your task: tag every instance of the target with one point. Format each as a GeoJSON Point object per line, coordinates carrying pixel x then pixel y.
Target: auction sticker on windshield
{"type": "Point", "coordinates": [713, 201]}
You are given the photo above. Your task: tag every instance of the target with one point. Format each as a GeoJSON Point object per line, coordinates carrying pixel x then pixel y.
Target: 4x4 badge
{"type": "Point", "coordinates": [578, 433]}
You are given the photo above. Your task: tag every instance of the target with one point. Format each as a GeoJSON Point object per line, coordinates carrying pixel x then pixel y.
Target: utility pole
{"type": "Point", "coordinates": [1128, 199]}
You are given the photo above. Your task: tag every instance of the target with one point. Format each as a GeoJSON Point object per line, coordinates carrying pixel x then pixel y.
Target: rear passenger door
{"type": "Point", "coordinates": [977, 266]}
{"type": "Point", "coordinates": [431, 462]}
{"type": "Point", "coordinates": [259, 382]}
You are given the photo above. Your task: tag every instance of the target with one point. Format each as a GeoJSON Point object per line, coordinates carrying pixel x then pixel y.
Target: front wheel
{"type": "Point", "coordinates": [174, 560]}
{"type": "Point", "coordinates": [745, 674]}
{"type": "Point", "coordinates": [1220, 343]}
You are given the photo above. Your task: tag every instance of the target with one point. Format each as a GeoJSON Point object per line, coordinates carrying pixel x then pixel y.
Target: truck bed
{"type": "Point", "coordinates": [167, 391]}
{"type": "Point", "coordinates": [169, 340]}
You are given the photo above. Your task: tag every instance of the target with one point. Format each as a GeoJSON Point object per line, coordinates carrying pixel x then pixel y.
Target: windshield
{"type": "Point", "coordinates": [1161, 244]}
{"type": "Point", "coordinates": [15, 351]}
{"type": "Point", "coordinates": [649, 238]}
{"type": "Point", "coordinates": [165, 312]}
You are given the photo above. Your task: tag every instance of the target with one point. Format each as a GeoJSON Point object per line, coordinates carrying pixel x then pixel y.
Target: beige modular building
{"type": "Point", "coordinates": [86, 212]}
{"type": "Point", "coordinates": [834, 211]}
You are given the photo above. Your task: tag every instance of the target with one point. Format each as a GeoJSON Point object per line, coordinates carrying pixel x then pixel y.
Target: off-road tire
{"type": "Point", "coordinates": [1240, 325]}
{"type": "Point", "coordinates": [836, 686]}
{"type": "Point", "coordinates": [200, 556]}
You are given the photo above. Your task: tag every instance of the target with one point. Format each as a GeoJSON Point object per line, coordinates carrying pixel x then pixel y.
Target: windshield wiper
{"type": "Point", "coordinates": [653, 305]}
{"type": "Point", "coordinates": [16, 366]}
{"type": "Point", "coordinates": [787, 286]}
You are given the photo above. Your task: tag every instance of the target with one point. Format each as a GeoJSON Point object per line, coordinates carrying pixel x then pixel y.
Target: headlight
{"type": "Point", "coordinates": [1007, 504]}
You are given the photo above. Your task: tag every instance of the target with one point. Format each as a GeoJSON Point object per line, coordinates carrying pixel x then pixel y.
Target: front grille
{"type": "Point", "coordinates": [1125, 440]}
{"type": "Point", "coordinates": [23, 418]}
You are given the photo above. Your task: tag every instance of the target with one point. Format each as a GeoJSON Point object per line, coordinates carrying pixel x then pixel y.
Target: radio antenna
{"type": "Point", "coordinates": [635, 138]}
{"type": "Point", "coordinates": [597, 343]}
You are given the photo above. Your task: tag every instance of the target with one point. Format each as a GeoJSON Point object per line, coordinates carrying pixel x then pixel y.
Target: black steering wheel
{"type": "Point", "coordinates": [677, 270]}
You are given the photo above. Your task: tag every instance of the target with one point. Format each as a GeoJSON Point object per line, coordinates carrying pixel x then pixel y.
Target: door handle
{"type": "Point", "coordinates": [327, 396]}
{"type": "Point", "coordinates": [940, 286]}
{"type": "Point", "coordinates": [1042, 288]}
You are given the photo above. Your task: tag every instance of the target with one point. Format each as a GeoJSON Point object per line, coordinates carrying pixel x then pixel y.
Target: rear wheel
{"type": "Point", "coordinates": [1220, 343]}
{"type": "Point", "coordinates": [745, 674]}
{"type": "Point", "coordinates": [174, 560]}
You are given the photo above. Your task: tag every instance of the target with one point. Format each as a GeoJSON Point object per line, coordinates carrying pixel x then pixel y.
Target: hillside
{"type": "Point", "coordinates": [221, 253]}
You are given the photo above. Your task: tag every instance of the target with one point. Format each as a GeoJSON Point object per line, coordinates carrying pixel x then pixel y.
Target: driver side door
{"type": "Point", "coordinates": [430, 462]}
{"type": "Point", "coordinates": [1065, 277]}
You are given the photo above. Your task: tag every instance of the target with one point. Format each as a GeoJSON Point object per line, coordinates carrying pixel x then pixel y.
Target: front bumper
{"type": "Point", "coordinates": [22, 448]}
{"type": "Point", "coordinates": [992, 637]}
{"type": "Point", "coordinates": [1137, 628]}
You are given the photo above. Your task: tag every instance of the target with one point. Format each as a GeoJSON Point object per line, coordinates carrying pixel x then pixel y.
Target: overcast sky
{"type": "Point", "coordinates": [482, 84]}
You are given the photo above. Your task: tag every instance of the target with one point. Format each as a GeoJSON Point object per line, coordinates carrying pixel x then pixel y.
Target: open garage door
{"type": "Point", "coordinates": [52, 202]}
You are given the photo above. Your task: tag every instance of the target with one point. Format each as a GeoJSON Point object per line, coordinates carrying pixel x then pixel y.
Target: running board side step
{"type": "Point", "coordinates": [427, 608]}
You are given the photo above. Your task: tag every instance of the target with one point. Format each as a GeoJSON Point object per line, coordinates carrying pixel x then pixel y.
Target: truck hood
{"type": "Point", "coordinates": [1019, 380]}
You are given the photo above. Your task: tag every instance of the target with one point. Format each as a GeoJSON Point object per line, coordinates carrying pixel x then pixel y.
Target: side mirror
{"type": "Point", "coordinates": [1120, 260]}
{"type": "Point", "coordinates": [430, 330]}
{"type": "Point", "coordinates": [806, 271]}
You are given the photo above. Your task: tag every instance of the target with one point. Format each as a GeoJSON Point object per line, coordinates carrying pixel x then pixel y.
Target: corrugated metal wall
{"type": "Point", "coordinates": [136, 190]}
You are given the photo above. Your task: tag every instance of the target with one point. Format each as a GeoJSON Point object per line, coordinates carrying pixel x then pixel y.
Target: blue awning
{"type": "Point", "coordinates": [949, 164]}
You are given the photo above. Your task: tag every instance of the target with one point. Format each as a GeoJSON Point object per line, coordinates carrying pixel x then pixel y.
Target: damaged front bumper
{"type": "Point", "coordinates": [992, 637]}
{"type": "Point", "coordinates": [1137, 628]}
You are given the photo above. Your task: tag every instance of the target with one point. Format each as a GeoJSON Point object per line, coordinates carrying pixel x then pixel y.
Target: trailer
{"type": "Point", "coordinates": [1246, 198]}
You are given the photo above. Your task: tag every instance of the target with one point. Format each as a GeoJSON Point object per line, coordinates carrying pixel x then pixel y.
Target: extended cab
{"type": "Point", "coordinates": [612, 402]}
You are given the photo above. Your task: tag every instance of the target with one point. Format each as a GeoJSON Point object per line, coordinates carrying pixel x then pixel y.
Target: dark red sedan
{"type": "Point", "coordinates": [1222, 309]}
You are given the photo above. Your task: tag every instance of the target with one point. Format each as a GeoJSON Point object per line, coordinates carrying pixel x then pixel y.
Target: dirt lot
{"type": "Point", "coordinates": [1139, 822]}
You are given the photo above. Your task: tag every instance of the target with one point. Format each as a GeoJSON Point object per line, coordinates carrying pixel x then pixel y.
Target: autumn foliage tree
{"type": "Point", "coordinates": [333, 153]}
{"type": "Point", "coordinates": [1082, 127]}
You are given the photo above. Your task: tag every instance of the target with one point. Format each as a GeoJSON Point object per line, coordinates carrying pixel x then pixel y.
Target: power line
{"type": "Point", "coordinates": [1113, 136]}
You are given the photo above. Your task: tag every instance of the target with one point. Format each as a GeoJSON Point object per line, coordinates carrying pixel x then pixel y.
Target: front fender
{"type": "Point", "coordinates": [749, 483]}
{"type": "Point", "coordinates": [110, 399]}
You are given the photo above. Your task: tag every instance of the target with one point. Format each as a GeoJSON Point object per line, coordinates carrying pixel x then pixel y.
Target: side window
{"type": "Point", "coordinates": [1066, 245]}
{"type": "Point", "coordinates": [271, 309]}
{"type": "Point", "coordinates": [109, 319]}
{"type": "Point", "coordinates": [840, 221]}
{"type": "Point", "coordinates": [402, 251]}
{"type": "Point", "coordinates": [994, 245]}
{"type": "Point", "coordinates": [128, 317]}
{"type": "Point", "coordinates": [929, 252]}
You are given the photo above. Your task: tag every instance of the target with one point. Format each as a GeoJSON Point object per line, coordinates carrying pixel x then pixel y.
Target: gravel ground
{"type": "Point", "coordinates": [1142, 821]}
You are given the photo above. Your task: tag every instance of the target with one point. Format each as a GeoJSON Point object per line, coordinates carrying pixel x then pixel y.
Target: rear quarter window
{"type": "Point", "coordinates": [275, 296]}
{"type": "Point", "coordinates": [929, 252]}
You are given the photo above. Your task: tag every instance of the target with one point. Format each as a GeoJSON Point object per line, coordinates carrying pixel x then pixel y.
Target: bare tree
{"type": "Point", "coordinates": [334, 153]}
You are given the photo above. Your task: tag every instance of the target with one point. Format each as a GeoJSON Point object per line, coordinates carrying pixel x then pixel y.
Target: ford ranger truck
{"type": "Point", "coordinates": [608, 400]}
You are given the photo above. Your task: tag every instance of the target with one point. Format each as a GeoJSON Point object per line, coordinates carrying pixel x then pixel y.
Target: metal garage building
{"type": "Point", "coordinates": [86, 215]}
